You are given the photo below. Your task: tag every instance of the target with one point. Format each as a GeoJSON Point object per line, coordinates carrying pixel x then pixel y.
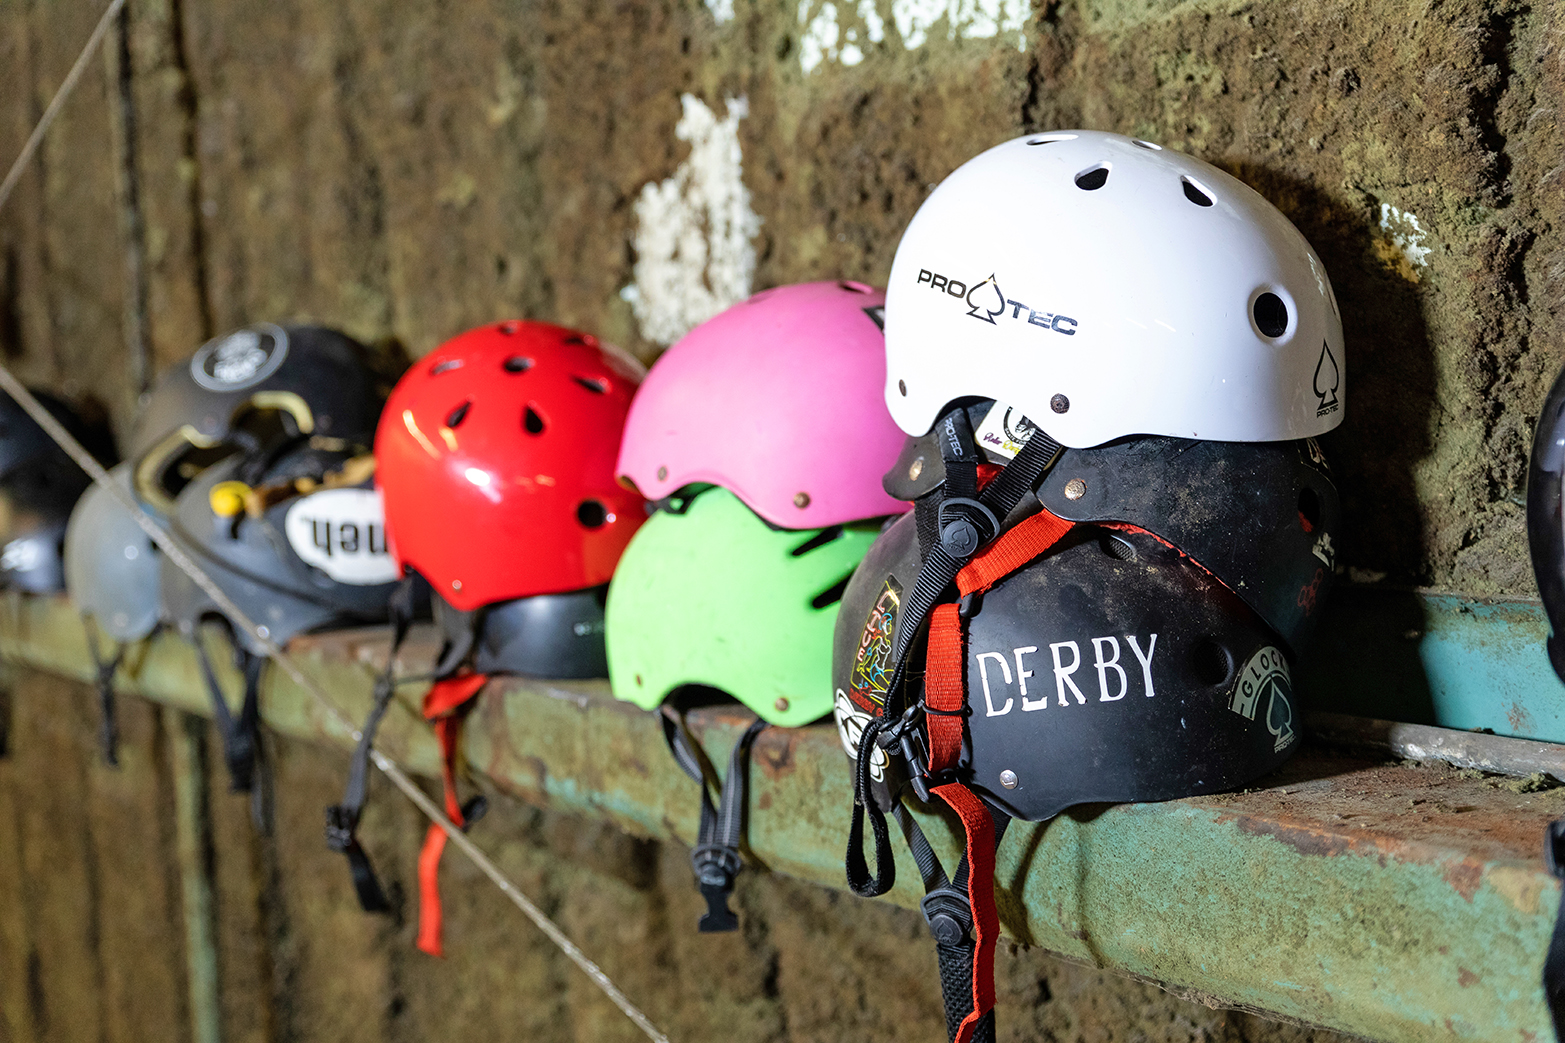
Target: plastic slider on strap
{"type": "Point", "coordinates": [949, 916]}
{"type": "Point", "coordinates": [716, 867]}
{"type": "Point", "coordinates": [965, 526]}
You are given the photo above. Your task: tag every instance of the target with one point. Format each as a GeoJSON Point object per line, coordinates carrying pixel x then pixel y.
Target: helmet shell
{"type": "Point", "coordinates": [317, 375]}
{"type": "Point", "coordinates": [1546, 515]}
{"type": "Point", "coordinates": [547, 635]}
{"type": "Point", "coordinates": [779, 399]}
{"type": "Point", "coordinates": [111, 566]}
{"type": "Point", "coordinates": [496, 457]}
{"type": "Point", "coordinates": [1107, 287]}
{"type": "Point", "coordinates": [258, 563]}
{"type": "Point", "coordinates": [39, 486]}
{"type": "Point", "coordinates": [716, 597]}
{"type": "Point", "coordinates": [1089, 678]}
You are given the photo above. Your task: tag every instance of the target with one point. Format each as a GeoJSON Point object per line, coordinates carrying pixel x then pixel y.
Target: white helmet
{"type": "Point", "coordinates": [1105, 287]}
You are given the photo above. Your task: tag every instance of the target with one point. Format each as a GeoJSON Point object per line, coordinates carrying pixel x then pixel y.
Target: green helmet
{"type": "Point", "coordinates": [714, 596]}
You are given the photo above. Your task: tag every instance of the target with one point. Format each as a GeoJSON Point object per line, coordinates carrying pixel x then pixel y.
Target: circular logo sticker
{"type": "Point", "coordinates": [240, 359]}
{"type": "Point", "coordinates": [342, 532]}
{"type": "Point", "coordinates": [851, 723]}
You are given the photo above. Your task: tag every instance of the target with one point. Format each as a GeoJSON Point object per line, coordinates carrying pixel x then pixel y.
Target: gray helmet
{"type": "Point", "coordinates": [293, 556]}
{"type": "Point", "coordinates": [318, 379]}
{"type": "Point", "coordinates": [39, 484]}
{"type": "Point", "coordinates": [111, 566]}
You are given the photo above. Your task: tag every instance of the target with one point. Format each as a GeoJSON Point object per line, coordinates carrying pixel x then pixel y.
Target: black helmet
{"type": "Point", "coordinates": [1112, 669]}
{"type": "Point", "coordinates": [1261, 516]}
{"type": "Point", "coordinates": [39, 485]}
{"type": "Point", "coordinates": [316, 381]}
{"type": "Point", "coordinates": [546, 635]}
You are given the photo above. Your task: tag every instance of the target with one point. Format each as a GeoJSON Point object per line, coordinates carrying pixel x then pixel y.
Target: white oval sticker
{"type": "Point", "coordinates": [240, 359]}
{"type": "Point", "coordinates": [342, 532]}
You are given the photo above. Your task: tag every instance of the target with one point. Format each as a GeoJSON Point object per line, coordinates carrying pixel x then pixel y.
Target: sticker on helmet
{"type": "Point", "coordinates": [1327, 379]}
{"type": "Point", "coordinates": [241, 359]}
{"type": "Point", "coordinates": [1266, 677]}
{"type": "Point", "coordinates": [342, 532]}
{"type": "Point", "coordinates": [1004, 431]}
{"type": "Point", "coordinates": [990, 305]}
{"type": "Point", "coordinates": [872, 665]}
{"type": "Point", "coordinates": [850, 727]}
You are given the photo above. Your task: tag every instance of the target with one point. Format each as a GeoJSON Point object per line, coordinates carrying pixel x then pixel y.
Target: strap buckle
{"type": "Point", "coordinates": [949, 916]}
{"type": "Point", "coordinates": [965, 525]}
{"type": "Point", "coordinates": [716, 867]}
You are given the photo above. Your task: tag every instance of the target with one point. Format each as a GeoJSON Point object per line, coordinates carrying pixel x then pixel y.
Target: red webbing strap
{"type": "Point", "coordinates": [945, 697]}
{"type": "Point", "coordinates": [945, 665]}
{"type": "Point", "coordinates": [944, 691]}
{"type": "Point", "coordinates": [980, 875]}
{"type": "Point", "coordinates": [446, 704]}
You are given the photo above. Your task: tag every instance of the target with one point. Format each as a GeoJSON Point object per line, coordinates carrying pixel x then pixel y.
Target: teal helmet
{"type": "Point", "coordinates": [715, 597]}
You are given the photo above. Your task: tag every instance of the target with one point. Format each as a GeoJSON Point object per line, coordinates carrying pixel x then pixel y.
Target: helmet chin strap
{"type": "Point", "coordinates": [966, 548]}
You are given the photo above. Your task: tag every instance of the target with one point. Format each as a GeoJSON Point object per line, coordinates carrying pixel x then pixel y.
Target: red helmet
{"type": "Point", "coordinates": [496, 456]}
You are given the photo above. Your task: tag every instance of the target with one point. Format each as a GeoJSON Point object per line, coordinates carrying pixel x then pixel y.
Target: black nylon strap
{"type": "Point", "coordinates": [239, 740]}
{"type": "Point", "coordinates": [1554, 963]}
{"type": "Point", "coordinates": [859, 880]}
{"type": "Point", "coordinates": [342, 820]}
{"type": "Point", "coordinates": [715, 857]}
{"type": "Point", "coordinates": [104, 670]}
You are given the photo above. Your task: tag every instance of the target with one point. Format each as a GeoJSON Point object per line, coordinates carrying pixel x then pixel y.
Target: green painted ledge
{"type": "Point", "coordinates": [1393, 901]}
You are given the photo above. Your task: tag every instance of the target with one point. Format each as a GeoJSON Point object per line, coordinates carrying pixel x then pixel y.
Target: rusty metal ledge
{"type": "Point", "coordinates": [1390, 900]}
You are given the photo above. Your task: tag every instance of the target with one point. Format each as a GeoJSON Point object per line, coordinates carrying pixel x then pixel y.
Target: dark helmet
{"type": "Point", "coordinates": [1111, 669]}
{"type": "Point", "coordinates": [303, 549]}
{"type": "Point", "coordinates": [315, 381]}
{"type": "Point", "coordinates": [1263, 517]}
{"type": "Point", "coordinates": [39, 485]}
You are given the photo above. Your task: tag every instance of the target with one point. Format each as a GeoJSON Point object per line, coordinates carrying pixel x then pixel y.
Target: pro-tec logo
{"type": "Point", "coordinates": [986, 302]}
{"type": "Point", "coordinates": [1265, 679]}
{"type": "Point", "coordinates": [342, 532]}
{"type": "Point", "coordinates": [1327, 379]}
{"type": "Point", "coordinates": [240, 359]}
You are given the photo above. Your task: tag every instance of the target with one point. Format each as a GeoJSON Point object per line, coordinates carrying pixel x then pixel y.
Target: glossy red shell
{"type": "Point", "coordinates": [496, 458]}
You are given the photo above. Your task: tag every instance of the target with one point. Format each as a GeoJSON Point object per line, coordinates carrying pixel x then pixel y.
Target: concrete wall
{"type": "Point", "coordinates": [405, 170]}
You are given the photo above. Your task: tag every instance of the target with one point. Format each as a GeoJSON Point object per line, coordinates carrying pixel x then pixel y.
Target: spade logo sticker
{"type": "Point", "coordinates": [978, 301]}
{"type": "Point", "coordinates": [1327, 379]}
{"type": "Point", "coordinates": [1265, 681]}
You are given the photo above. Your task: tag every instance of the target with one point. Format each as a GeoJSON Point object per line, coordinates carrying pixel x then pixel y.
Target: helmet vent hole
{"type": "Point", "coordinates": [593, 514]}
{"type": "Point", "coordinates": [532, 420]}
{"type": "Point", "coordinates": [517, 364]}
{"type": "Point", "coordinates": [1271, 315]}
{"type": "Point", "coordinates": [1049, 139]}
{"type": "Point", "coordinates": [576, 338]}
{"type": "Point", "coordinates": [1309, 509]}
{"type": "Point", "coordinates": [819, 540]}
{"type": "Point", "coordinates": [597, 385]}
{"type": "Point", "coordinates": [1118, 547]}
{"type": "Point", "coordinates": [832, 594]}
{"type": "Point", "coordinates": [1146, 145]}
{"type": "Point", "coordinates": [1093, 179]}
{"type": "Point", "coordinates": [510, 328]}
{"type": "Point", "coordinates": [1212, 663]}
{"type": "Point", "coordinates": [855, 287]}
{"type": "Point", "coordinates": [1195, 193]}
{"type": "Point", "coordinates": [445, 366]}
{"type": "Point", "coordinates": [459, 414]}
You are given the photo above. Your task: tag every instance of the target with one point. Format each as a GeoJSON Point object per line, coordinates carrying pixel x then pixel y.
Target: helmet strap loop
{"type": "Point", "coordinates": [715, 857]}
{"type": "Point", "coordinates": [342, 820]}
{"type": "Point", "coordinates": [103, 673]}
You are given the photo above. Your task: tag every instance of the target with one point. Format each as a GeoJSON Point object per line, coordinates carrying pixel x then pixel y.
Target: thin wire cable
{"type": "Point", "coordinates": [236, 615]}
{"type": "Point", "coordinates": [60, 95]}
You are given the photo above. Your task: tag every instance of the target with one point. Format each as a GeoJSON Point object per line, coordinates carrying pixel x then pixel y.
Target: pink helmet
{"type": "Point", "coordinates": [780, 400]}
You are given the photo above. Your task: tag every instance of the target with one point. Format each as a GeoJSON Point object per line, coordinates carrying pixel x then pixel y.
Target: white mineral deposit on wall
{"type": "Point", "coordinates": [839, 31]}
{"type": "Point", "coordinates": [1406, 233]}
{"type": "Point", "coordinates": [695, 252]}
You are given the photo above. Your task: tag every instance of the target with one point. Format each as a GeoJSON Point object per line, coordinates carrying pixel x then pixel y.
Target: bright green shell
{"type": "Point", "coordinates": [715, 597]}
